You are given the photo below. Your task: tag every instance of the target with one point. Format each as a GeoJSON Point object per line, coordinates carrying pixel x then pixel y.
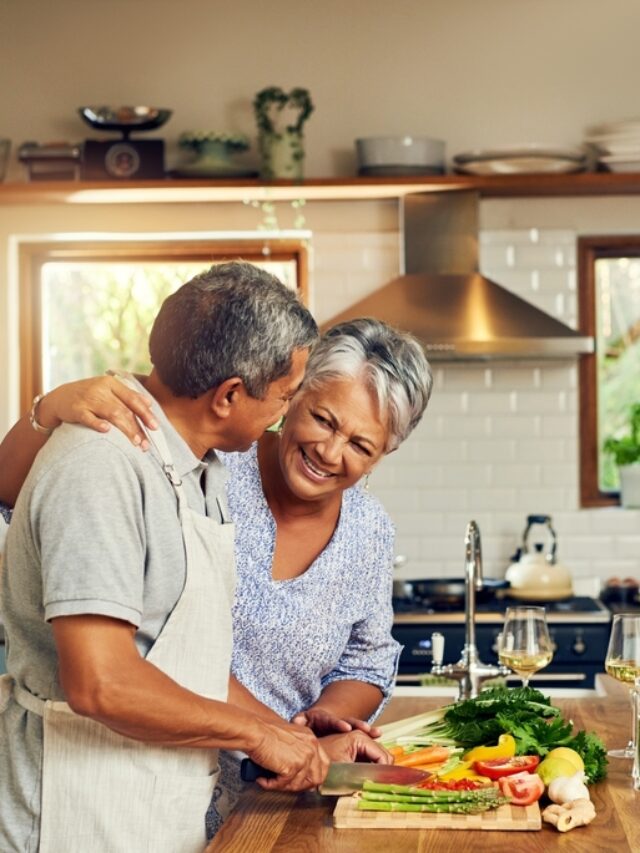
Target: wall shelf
{"type": "Point", "coordinates": [173, 190]}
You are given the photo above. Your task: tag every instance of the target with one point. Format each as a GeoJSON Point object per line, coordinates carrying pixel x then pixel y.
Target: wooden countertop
{"type": "Point", "coordinates": [282, 823]}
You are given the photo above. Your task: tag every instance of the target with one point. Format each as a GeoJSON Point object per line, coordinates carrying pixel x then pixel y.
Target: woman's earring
{"type": "Point", "coordinates": [366, 481]}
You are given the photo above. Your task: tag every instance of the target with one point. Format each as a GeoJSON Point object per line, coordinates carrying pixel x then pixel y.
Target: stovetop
{"type": "Point", "coordinates": [575, 610]}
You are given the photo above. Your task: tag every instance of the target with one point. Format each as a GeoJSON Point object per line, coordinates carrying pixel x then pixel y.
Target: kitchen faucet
{"type": "Point", "coordinates": [469, 671]}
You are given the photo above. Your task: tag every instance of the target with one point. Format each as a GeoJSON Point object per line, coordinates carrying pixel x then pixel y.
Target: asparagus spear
{"type": "Point", "coordinates": [451, 808]}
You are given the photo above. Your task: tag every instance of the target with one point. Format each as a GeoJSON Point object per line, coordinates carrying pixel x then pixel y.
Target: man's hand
{"type": "Point", "coordinates": [355, 746]}
{"type": "Point", "coordinates": [324, 722]}
{"type": "Point", "coordinates": [294, 753]}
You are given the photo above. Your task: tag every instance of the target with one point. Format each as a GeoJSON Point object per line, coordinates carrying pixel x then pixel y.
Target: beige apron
{"type": "Point", "coordinates": [108, 793]}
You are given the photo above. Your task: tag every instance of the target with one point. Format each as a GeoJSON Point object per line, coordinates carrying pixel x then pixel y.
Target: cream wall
{"type": "Point", "coordinates": [472, 72]}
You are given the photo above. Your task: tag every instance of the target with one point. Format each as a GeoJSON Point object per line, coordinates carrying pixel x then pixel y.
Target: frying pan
{"type": "Point", "coordinates": [445, 591]}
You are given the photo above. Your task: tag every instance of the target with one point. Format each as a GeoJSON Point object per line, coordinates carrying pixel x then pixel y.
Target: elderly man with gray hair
{"type": "Point", "coordinates": [117, 591]}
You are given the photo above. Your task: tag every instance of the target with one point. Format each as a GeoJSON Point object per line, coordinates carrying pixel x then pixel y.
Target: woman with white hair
{"type": "Point", "coordinates": [314, 551]}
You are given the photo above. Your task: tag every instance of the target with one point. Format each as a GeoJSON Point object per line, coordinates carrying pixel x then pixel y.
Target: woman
{"type": "Point", "coordinates": [314, 551]}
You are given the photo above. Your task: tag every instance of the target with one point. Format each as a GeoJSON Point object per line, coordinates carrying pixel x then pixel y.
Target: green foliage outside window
{"type": "Point", "coordinates": [618, 348]}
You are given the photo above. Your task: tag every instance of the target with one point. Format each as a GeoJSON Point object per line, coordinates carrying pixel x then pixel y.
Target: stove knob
{"type": "Point", "coordinates": [579, 646]}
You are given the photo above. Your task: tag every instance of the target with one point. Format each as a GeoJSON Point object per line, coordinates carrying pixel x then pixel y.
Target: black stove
{"type": "Point", "coordinates": [579, 627]}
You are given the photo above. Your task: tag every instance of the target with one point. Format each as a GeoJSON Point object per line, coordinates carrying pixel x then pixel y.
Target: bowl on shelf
{"type": "Point", "coordinates": [125, 119]}
{"type": "Point", "coordinates": [400, 155]}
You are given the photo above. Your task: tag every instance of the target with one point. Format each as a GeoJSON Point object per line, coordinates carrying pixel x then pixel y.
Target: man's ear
{"type": "Point", "coordinates": [227, 395]}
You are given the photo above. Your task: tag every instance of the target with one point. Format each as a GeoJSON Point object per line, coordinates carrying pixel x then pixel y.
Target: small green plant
{"type": "Point", "coordinates": [274, 98]}
{"type": "Point", "coordinates": [626, 450]}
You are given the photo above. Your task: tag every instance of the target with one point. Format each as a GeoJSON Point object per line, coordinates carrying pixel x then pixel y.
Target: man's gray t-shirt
{"type": "Point", "coordinates": [95, 531]}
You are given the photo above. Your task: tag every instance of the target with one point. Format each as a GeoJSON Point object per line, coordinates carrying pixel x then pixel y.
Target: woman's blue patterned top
{"type": "Point", "coordinates": [332, 623]}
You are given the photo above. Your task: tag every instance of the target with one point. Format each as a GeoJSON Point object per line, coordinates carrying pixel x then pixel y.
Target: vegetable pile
{"type": "Point", "coordinates": [523, 712]}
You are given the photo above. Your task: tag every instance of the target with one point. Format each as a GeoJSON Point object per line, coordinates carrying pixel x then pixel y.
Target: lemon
{"type": "Point", "coordinates": [552, 767]}
{"type": "Point", "coordinates": [569, 754]}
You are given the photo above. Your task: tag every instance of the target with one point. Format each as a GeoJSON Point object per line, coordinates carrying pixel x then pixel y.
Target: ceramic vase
{"type": "Point", "coordinates": [282, 155]}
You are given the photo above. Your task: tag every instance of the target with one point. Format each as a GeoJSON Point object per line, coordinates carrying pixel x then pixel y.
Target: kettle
{"type": "Point", "coordinates": [536, 575]}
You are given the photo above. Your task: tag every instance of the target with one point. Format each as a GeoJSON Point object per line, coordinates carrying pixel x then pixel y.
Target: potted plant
{"type": "Point", "coordinates": [213, 149]}
{"type": "Point", "coordinates": [626, 454]}
{"type": "Point", "coordinates": [282, 147]}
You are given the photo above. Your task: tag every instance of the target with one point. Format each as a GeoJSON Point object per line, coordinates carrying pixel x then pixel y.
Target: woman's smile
{"type": "Point", "coordinates": [313, 469]}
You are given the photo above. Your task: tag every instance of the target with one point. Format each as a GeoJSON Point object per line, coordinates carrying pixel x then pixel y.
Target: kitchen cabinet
{"type": "Point", "coordinates": [278, 822]}
{"type": "Point", "coordinates": [317, 189]}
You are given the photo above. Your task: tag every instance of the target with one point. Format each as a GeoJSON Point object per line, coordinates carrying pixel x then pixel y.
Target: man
{"type": "Point", "coordinates": [117, 588]}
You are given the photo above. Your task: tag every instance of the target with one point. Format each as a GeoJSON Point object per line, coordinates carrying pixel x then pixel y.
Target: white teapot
{"type": "Point", "coordinates": [535, 575]}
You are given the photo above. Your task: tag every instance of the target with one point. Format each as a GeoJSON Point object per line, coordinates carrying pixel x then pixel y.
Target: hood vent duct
{"type": "Point", "coordinates": [457, 313]}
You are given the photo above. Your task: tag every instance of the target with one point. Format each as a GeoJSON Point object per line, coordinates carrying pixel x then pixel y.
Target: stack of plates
{"type": "Point", "coordinates": [531, 158]}
{"type": "Point", "coordinates": [618, 145]}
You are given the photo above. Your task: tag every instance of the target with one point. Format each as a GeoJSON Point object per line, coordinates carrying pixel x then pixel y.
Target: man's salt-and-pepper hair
{"type": "Point", "coordinates": [235, 319]}
{"type": "Point", "coordinates": [392, 364]}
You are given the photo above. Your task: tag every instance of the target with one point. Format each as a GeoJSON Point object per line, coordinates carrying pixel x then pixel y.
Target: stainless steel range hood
{"type": "Point", "coordinates": [454, 311]}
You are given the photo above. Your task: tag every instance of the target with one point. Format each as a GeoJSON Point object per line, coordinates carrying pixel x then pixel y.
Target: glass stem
{"type": "Point", "coordinates": [634, 725]}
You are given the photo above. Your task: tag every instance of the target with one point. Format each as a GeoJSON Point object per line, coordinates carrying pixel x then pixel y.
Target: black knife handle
{"type": "Point", "coordinates": [250, 771]}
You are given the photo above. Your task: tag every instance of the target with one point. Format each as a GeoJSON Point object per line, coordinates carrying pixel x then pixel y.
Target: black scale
{"type": "Point", "coordinates": [125, 158]}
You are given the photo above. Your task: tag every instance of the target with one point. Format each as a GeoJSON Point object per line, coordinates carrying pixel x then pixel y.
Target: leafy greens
{"type": "Point", "coordinates": [536, 725]}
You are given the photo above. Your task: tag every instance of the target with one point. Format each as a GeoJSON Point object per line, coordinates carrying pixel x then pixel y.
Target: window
{"type": "Point", "coordinates": [609, 293]}
{"type": "Point", "coordinates": [88, 306]}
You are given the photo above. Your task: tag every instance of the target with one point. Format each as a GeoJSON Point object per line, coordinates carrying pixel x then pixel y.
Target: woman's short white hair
{"type": "Point", "coordinates": [391, 363]}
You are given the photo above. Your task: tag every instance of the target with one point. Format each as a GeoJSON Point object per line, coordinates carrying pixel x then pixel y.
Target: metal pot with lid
{"type": "Point", "coordinates": [536, 575]}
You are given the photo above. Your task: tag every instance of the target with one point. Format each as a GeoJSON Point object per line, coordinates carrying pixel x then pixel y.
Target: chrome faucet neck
{"type": "Point", "coordinates": [469, 672]}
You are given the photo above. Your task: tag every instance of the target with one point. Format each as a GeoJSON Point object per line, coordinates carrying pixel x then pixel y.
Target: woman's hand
{"type": "Point", "coordinates": [324, 722]}
{"type": "Point", "coordinates": [355, 746]}
{"type": "Point", "coordinates": [99, 403]}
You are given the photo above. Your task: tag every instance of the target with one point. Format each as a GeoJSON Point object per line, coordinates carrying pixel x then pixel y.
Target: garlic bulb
{"type": "Point", "coordinates": [564, 789]}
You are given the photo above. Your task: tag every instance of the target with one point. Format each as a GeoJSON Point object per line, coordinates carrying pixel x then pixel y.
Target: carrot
{"type": "Point", "coordinates": [396, 751]}
{"type": "Point", "coordinates": [428, 755]}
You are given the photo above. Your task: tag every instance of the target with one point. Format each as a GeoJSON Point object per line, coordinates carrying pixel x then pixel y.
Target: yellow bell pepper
{"type": "Point", "coordinates": [463, 771]}
{"type": "Point", "coordinates": [506, 748]}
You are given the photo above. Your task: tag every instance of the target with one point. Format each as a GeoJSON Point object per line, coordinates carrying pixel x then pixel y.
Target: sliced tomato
{"type": "Point", "coordinates": [523, 788]}
{"type": "Point", "coordinates": [500, 767]}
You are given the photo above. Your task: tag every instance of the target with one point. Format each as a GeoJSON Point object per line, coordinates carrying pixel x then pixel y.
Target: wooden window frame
{"type": "Point", "coordinates": [591, 249]}
{"type": "Point", "coordinates": [33, 255]}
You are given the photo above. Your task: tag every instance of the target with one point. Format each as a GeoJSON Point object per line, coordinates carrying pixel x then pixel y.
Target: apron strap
{"type": "Point", "coordinates": [159, 443]}
{"type": "Point", "coordinates": [27, 700]}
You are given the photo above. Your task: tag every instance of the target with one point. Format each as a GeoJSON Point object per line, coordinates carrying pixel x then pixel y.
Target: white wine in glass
{"type": "Point", "coordinates": [623, 663]}
{"type": "Point", "coordinates": [525, 645]}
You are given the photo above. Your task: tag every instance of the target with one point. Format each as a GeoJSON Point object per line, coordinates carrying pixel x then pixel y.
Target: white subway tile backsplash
{"type": "Point", "coordinates": [475, 471]}
{"type": "Point", "coordinates": [559, 426]}
{"type": "Point", "coordinates": [628, 548]}
{"type": "Point", "coordinates": [543, 500]}
{"type": "Point", "coordinates": [495, 499]}
{"type": "Point", "coordinates": [462, 427]}
{"type": "Point", "coordinates": [541, 256]}
{"type": "Point", "coordinates": [548, 451]}
{"type": "Point", "coordinates": [516, 426]}
{"type": "Point", "coordinates": [516, 378]}
{"type": "Point", "coordinates": [468, 378]}
{"type": "Point", "coordinates": [445, 499]}
{"type": "Point", "coordinates": [491, 402]}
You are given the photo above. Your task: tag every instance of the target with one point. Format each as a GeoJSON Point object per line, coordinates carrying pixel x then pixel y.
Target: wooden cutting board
{"type": "Point", "coordinates": [348, 816]}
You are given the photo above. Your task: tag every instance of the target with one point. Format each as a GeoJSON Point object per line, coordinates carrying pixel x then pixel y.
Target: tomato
{"type": "Point", "coordinates": [506, 766]}
{"type": "Point", "coordinates": [523, 788]}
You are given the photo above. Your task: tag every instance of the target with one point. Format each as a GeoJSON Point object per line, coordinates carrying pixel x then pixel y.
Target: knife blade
{"type": "Point", "coordinates": [346, 777]}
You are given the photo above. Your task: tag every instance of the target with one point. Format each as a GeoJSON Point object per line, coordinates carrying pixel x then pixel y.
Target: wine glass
{"type": "Point", "coordinates": [623, 663]}
{"type": "Point", "coordinates": [525, 645]}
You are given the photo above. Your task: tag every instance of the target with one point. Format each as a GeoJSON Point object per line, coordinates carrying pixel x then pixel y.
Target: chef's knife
{"type": "Point", "coordinates": [347, 777]}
